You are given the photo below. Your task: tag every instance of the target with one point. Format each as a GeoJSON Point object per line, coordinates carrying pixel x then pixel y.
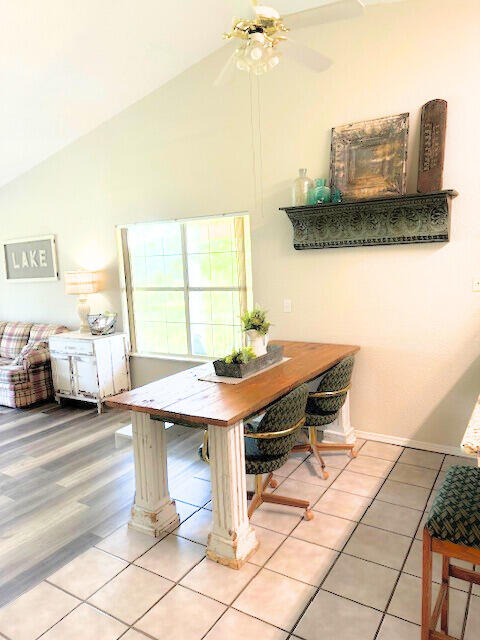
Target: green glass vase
{"type": "Point", "coordinates": [322, 192]}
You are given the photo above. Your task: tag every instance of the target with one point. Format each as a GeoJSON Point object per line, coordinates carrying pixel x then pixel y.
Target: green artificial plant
{"type": "Point", "coordinates": [256, 320]}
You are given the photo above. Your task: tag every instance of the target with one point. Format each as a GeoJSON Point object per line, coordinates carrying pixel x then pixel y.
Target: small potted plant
{"type": "Point", "coordinates": [256, 326]}
{"type": "Point", "coordinates": [234, 365]}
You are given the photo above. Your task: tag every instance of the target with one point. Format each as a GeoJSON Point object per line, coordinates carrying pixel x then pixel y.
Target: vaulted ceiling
{"type": "Point", "coordinates": [66, 66]}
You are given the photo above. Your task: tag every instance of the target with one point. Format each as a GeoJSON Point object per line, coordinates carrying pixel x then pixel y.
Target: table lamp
{"type": "Point", "coordinates": [82, 283]}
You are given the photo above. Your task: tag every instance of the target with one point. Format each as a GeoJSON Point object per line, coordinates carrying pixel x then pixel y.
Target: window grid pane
{"type": "Point", "coordinates": [210, 261]}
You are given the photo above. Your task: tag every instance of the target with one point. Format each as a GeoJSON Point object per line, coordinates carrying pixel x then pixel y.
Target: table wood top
{"type": "Point", "coordinates": [184, 397]}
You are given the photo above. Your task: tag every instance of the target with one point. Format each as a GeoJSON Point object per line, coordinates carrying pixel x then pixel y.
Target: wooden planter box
{"type": "Point", "coordinates": [274, 354]}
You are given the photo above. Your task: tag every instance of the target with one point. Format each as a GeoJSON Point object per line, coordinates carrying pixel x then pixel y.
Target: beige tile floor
{"type": "Point", "coordinates": [351, 573]}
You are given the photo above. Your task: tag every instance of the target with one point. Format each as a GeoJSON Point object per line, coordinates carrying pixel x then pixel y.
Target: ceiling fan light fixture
{"type": "Point", "coordinates": [256, 56]}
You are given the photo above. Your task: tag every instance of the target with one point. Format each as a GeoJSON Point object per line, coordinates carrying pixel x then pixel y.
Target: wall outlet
{"type": "Point", "coordinates": [287, 306]}
{"type": "Point", "coordinates": [476, 285]}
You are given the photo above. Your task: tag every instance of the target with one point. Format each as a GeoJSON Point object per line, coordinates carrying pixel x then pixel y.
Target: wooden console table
{"type": "Point", "coordinates": [222, 408]}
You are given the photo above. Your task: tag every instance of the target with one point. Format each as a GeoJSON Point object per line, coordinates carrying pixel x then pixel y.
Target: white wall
{"type": "Point", "coordinates": [187, 150]}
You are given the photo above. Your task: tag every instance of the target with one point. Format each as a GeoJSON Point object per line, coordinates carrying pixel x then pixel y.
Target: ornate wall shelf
{"type": "Point", "coordinates": [414, 218]}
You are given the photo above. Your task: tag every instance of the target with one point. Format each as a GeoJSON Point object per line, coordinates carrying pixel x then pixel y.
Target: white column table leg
{"type": "Point", "coordinates": [232, 539]}
{"type": "Point", "coordinates": [341, 430]}
{"type": "Point", "coordinates": [153, 512]}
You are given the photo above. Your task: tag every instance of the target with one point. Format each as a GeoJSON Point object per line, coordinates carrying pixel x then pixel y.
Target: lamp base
{"type": "Point", "coordinates": [83, 309]}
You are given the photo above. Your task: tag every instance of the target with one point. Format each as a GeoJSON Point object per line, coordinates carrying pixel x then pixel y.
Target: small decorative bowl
{"type": "Point", "coordinates": [101, 324]}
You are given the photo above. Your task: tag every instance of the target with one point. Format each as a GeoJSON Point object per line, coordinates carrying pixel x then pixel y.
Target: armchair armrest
{"type": "Point", "coordinates": [36, 358]}
{"type": "Point", "coordinates": [270, 435]}
{"type": "Point", "coordinates": [33, 355]}
{"type": "Point", "coordinates": [329, 394]}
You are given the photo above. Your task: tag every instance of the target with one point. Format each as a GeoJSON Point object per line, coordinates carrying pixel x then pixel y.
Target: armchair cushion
{"type": "Point", "coordinates": [41, 332]}
{"type": "Point", "coordinates": [256, 462]}
{"type": "Point", "coordinates": [12, 375]}
{"type": "Point", "coordinates": [15, 336]}
{"type": "Point", "coordinates": [33, 354]}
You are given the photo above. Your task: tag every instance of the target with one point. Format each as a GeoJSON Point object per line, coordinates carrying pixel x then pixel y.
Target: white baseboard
{"type": "Point", "coordinates": [414, 444]}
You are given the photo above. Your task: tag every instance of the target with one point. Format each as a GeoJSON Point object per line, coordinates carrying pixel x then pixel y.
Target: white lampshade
{"type": "Point", "coordinates": [81, 283]}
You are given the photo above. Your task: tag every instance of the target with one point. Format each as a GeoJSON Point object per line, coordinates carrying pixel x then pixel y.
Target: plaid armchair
{"type": "Point", "coordinates": [25, 371]}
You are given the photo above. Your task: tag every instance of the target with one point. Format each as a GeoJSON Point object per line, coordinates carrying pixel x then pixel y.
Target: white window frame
{"type": "Point", "coordinates": [127, 288]}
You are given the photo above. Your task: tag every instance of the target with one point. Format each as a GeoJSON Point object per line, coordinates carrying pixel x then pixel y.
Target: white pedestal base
{"type": "Point", "coordinates": [153, 513]}
{"type": "Point", "coordinates": [232, 540]}
{"type": "Point", "coordinates": [341, 430]}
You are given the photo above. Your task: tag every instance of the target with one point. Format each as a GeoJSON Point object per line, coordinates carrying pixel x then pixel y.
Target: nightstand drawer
{"type": "Point", "coordinates": [72, 347]}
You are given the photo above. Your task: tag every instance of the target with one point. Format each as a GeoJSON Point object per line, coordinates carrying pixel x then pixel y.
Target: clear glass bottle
{"type": "Point", "coordinates": [322, 192]}
{"type": "Point", "coordinates": [302, 189]}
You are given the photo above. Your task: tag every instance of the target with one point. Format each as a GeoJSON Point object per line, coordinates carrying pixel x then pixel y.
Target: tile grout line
{"type": "Point", "coordinates": [292, 630]}
{"type": "Point", "coordinates": [175, 583]}
{"type": "Point", "coordinates": [353, 532]}
{"type": "Point", "coordinates": [260, 567]}
{"type": "Point", "coordinates": [406, 556]}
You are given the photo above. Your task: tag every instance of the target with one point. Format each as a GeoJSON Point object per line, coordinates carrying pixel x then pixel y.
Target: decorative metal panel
{"type": "Point", "coordinates": [369, 159]}
{"type": "Point", "coordinates": [415, 218]}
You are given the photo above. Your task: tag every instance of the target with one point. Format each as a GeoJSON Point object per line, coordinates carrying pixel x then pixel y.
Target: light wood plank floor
{"type": "Point", "coordinates": [64, 486]}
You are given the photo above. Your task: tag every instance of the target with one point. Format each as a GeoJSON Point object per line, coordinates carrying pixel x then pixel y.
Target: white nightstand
{"type": "Point", "coordinates": [89, 368]}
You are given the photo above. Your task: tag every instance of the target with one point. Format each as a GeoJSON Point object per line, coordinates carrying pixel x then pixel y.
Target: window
{"type": "Point", "coordinates": [187, 283]}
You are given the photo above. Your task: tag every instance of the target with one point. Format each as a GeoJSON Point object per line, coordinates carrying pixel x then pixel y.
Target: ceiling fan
{"type": "Point", "coordinates": [263, 35]}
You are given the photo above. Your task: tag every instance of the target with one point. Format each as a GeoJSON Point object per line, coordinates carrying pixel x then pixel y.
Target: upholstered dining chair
{"type": "Point", "coordinates": [268, 442]}
{"type": "Point", "coordinates": [323, 408]}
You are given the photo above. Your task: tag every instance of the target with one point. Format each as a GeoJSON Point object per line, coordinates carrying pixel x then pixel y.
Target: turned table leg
{"type": "Point", "coordinates": [153, 512]}
{"type": "Point", "coordinates": [232, 540]}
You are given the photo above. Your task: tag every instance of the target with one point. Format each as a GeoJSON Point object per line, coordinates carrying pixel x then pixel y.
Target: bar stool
{"type": "Point", "coordinates": [323, 408]}
{"type": "Point", "coordinates": [452, 530]}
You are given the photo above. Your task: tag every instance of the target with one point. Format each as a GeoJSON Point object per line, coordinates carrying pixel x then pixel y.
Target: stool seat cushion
{"type": "Point", "coordinates": [455, 513]}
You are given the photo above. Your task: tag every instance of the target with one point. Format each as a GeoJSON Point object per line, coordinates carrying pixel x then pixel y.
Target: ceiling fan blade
{"type": "Point", "coordinates": [339, 10]}
{"type": "Point", "coordinates": [306, 55]}
{"type": "Point", "coordinates": [227, 72]}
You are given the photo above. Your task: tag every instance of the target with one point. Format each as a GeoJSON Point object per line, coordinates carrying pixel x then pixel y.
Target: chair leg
{"type": "Point", "coordinates": [426, 585]}
{"type": "Point", "coordinates": [257, 498]}
{"type": "Point", "coordinates": [445, 605]}
{"type": "Point", "coordinates": [261, 496]}
{"type": "Point", "coordinates": [312, 432]}
{"type": "Point", "coordinates": [289, 502]}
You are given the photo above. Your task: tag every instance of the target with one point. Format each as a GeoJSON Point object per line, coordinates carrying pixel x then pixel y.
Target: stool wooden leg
{"type": "Point", "coordinates": [426, 585]}
{"type": "Point", "coordinates": [446, 581]}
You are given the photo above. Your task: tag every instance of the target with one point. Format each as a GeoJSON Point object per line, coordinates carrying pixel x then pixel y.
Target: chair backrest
{"type": "Point", "coordinates": [283, 414]}
{"type": "Point", "coordinates": [336, 378]}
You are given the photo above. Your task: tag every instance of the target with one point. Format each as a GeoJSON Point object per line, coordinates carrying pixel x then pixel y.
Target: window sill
{"type": "Point", "coordinates": [157, 356]}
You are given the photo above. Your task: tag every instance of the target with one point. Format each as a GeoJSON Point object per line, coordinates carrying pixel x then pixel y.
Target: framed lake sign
{"type": "Point", "coordinates": [30, 259]}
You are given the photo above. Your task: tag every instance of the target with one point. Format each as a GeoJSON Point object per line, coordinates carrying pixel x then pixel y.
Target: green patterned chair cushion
{"type": "Point", "coordinates": [455, 513]}
{"type": "Point", "coordinates": [257, 462]}
{"type": "Point", "coordinates": [314, 420]}
{"type": "Point", "coordinates": [282, 414]}
{"type": "Point", "coordinates": [336, 378]}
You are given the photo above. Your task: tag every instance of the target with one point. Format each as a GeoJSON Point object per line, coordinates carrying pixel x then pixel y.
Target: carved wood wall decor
{"type": "Point", "coordinates": [413, 218]}
{"type": "Point", "coordinates": [369, 159]}
{"type": "Point", "coordinates": [432, 146]}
